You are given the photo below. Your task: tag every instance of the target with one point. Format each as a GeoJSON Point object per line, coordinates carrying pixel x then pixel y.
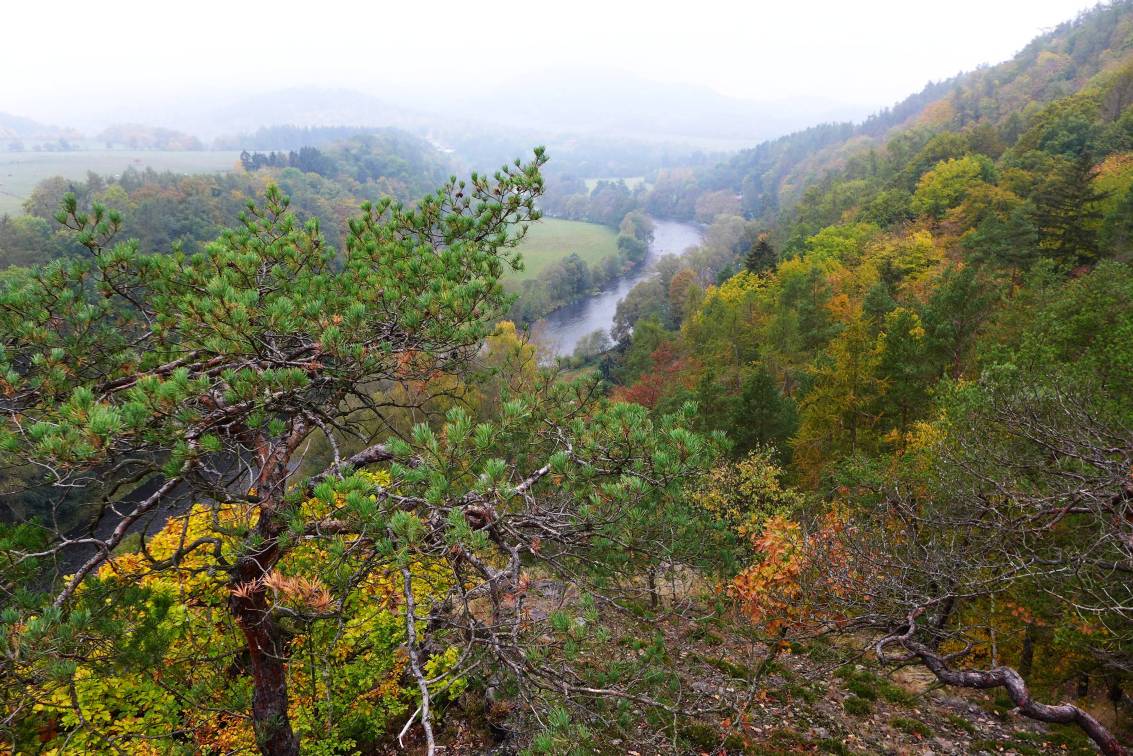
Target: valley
{"type": "Point", "coordinates": [728, 379]}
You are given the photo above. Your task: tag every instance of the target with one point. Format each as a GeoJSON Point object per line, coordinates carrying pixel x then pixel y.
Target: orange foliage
{"type": "Point", "coordinates": [671, 370]}
{"type": "Point", "coordinates": [792, 567]}
{"type": "Point", "coordinates": [937, 113]}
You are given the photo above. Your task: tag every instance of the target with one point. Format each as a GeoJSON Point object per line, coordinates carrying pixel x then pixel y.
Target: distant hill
{"type": "Point", "coordinates": [293, 118]}
{"type": "Point", "coordinates": [15, 128]}
{"type": "Point", "coordinates": [1075, 57]}
{"type": "Point", "coordinates": [622, 105]}
{"type": "Point", "coordinates": [304, 106]}
{"type": "Point", "coordinates": [551, 104]}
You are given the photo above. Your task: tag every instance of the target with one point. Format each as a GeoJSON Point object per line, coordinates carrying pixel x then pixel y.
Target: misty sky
{"type": "Point", "coordinates": [61, 57]}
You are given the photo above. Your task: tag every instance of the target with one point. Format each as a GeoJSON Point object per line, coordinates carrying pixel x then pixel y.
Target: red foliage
{"type": "Point", "coordinates": [671, 370]}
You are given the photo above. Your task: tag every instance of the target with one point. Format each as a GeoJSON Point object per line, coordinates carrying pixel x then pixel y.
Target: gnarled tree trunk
{"type": "Point", "coordinates": [1015, 685]}
{"type": "Point", "coordinates": [268, 650]}
{"type": "Point", "coordinates": [268, 644]}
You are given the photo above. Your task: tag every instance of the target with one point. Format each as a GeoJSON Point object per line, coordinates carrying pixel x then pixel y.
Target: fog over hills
{"type": "Point", "coordinates": [303, 106]}
{"type": "Point", "coordinates": [18, 127]}
{"type": "Point", "coordinates": [555, 103]}
{"type": "Point", "coordinates": [624, 105]}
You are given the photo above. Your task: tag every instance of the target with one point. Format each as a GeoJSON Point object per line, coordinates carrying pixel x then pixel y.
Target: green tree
{"type": "Point", "coordinates": [1117, 229]}
{"type": "Point", "coordinates": [260, 335]}
{"type": "Point", "coordinates": [959, 305]}
{"type": "Point", "coordinates": [646, 300]}
{"type": "Point", "coordinates": [762, 416]}
{"type": "Point", "coordinates": [946, 185]}
{"type": "Point", "coordinates": [903, 370]}
{"type": "Point", "coordinates": [761, 257]}
{"type": "Point", "coordinates": [1009, 239]}
{"type": "Point", "coordinates": [1066, 212]}
{"type": "Point", "coordinates": [838, 415]}
{"type": "Point", "coordinates": [648, 333]}
{"type": "Point", "coordinates": [157, 381]}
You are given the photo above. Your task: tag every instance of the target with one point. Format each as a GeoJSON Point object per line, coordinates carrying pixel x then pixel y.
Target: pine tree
{"type": "Point", "coordinates": [1009, 240]}
{"type": "Point", "coordinates": [763, 416]}
{"type": "Point", "coordinates": [160, 382]}
{"type": "Point", "coordinates": [761, 257]}
{"type": "Point", "coordinates": [1066, 213]}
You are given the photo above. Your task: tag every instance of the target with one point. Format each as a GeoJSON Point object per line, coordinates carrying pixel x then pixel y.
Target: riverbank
{"type": "Point", "coordinates": [550, 237]}
{"type": "Point", "coordinates": [564, 328]}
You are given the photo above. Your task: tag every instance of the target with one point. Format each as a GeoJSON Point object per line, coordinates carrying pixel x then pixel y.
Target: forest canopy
{"type": "Point", "coordinates": [286, 464]}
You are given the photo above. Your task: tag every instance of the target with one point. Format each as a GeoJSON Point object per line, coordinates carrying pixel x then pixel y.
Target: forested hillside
{"type": "Point", "coordinates": [164, 209]}
{"type": "Point", "coordinates": [1078, 64]}
{"type": "Point", "coordinates": [932, 333]}
{"type": "Point", "coordinates": [283, 472]}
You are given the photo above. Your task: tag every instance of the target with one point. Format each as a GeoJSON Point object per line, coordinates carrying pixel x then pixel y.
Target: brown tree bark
{"type": "Point", "coordinates": [1027, 658]}
{"type": "Point", "coordinates": [268, 644]}
{"type": "Point", "coordinates": [652, 578]}
{"type": "Point", "coordinates": [1002, 677]}
{"type": "Point", "coordinates": [268, 651]}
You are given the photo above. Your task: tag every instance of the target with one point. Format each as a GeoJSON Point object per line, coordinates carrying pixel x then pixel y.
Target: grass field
{"type": "Point", "coordinates": [551, 239]}
{"type": "Point", "coordinates": [21, 171]}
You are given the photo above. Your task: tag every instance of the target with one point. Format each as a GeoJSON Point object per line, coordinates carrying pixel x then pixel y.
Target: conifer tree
{"type": "Point", "coordinates": [1066, 213]}
{"type": "Point", "coordinates": [763, 417]}
{"type": "Point", "coordinates": [156, 383]}
{"type": "Point", "coordinates": [761, 257]}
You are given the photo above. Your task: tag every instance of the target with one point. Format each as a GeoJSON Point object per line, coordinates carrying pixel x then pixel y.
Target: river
{"type": "Point", "coordinates": [566, 326]}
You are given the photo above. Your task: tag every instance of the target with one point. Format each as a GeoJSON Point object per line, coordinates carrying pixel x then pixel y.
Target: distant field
{"type": "Point", "coordinates": [631, 182]}
{"type": "Point", "coordinates": [551, 239]}
{"type": "Point", "coordinates": [21, 171]}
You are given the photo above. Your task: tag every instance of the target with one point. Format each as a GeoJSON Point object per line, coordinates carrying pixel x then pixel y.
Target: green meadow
{"type": "Point", "coordinates": [551, 239]}
{"type": "Point", "coordinates": [21, 171]}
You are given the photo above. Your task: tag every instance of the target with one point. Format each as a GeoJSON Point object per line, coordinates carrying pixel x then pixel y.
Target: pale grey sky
{"type": "Point", "coordinates": [60, 56]}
